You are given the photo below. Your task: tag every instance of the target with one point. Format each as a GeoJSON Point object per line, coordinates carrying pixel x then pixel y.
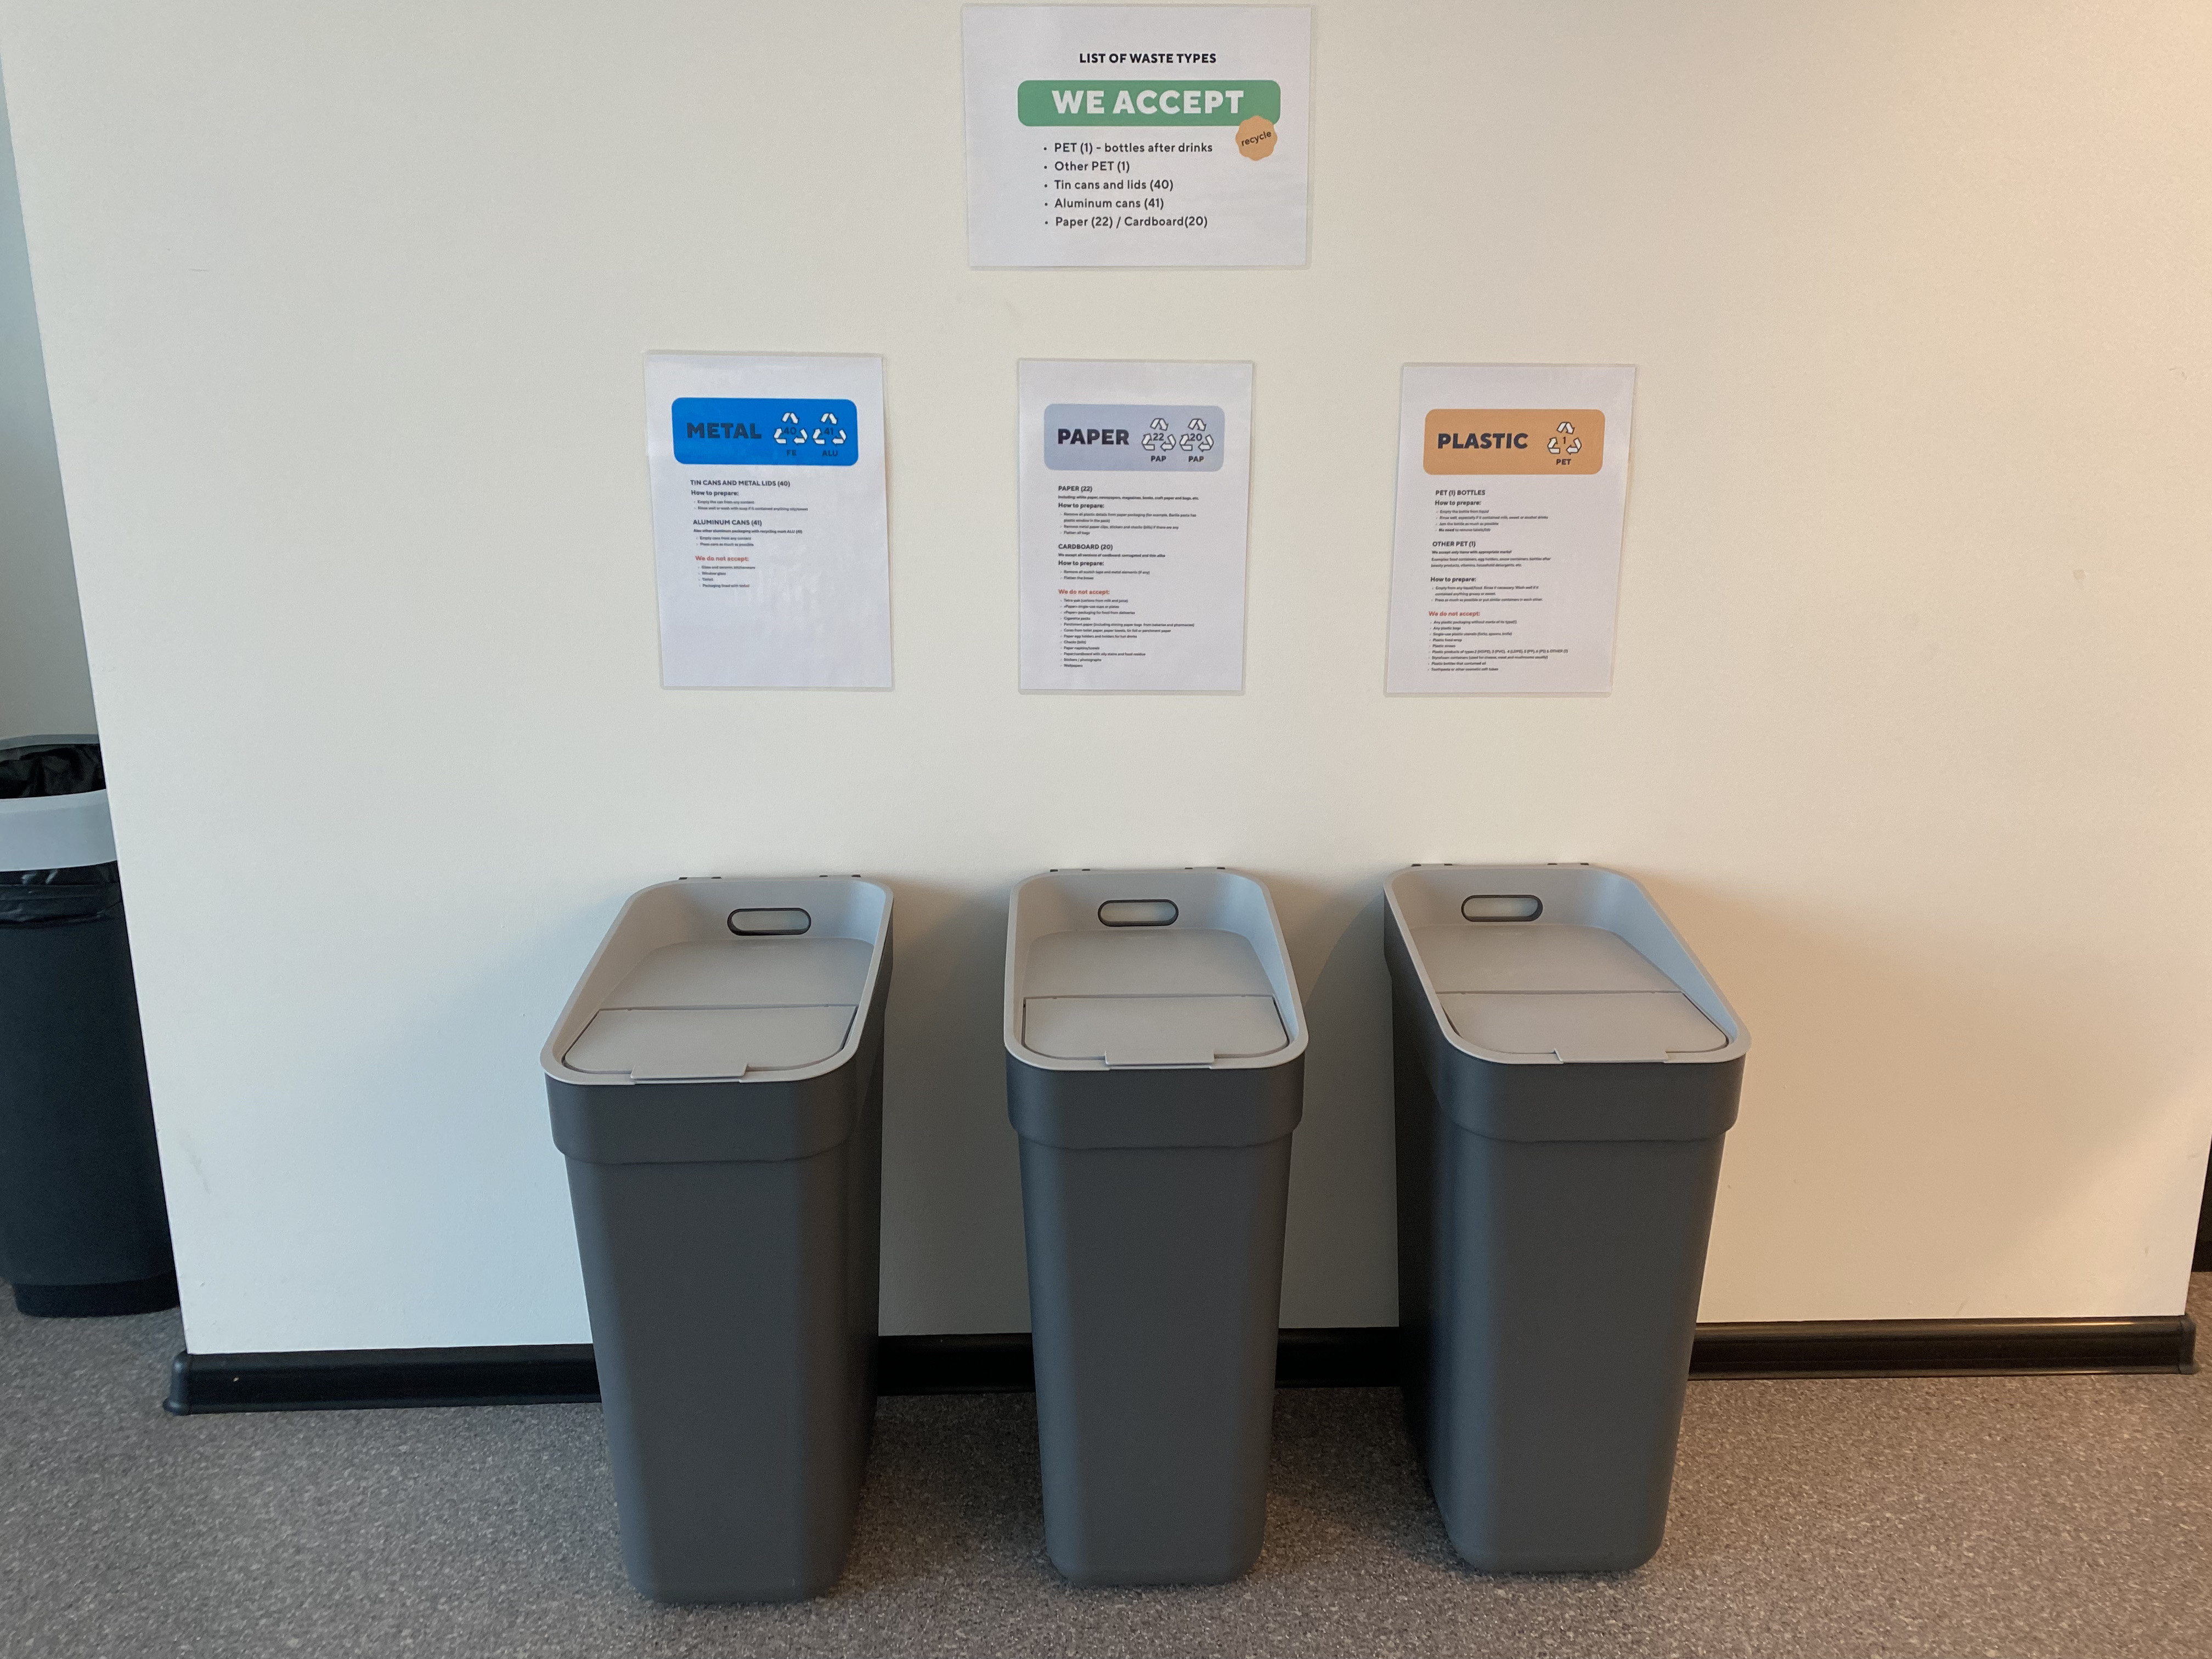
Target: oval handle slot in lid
{"type": "Point", "coordinates": [1137, 913]}
{"type": "Point", "coordinates": [1502, 906]}
{"type": "Point", "coordinates": [769, 924]}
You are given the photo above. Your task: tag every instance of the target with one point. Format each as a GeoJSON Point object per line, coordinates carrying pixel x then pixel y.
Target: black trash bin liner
{"type": "Point", "coordinates": [83, 1226]}
{"type": "Point", "coordinates": [79, 892]}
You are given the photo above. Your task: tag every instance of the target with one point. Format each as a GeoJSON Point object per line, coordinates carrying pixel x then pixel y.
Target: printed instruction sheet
{"type": "Point", "coordinates": [770, 533]}
{"type": "Point", "coordinates": [1137, 135]}
{"type": "Point", "coordinates": [1506, 569]}
{"type": "Point", "coordinates": [1135, 490]}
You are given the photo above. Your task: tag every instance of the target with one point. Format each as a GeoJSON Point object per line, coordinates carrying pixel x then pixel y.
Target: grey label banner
{"type": "Point", "coordinates": [1133, 437]}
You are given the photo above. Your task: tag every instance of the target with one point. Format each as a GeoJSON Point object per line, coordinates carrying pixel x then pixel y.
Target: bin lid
{"type": "Point", "coordinates": [1586, 1025]}
{"type": "Point", "coordinates": [1171, 1030]}
{"type": "Point", "coordinates": [691, 1045]}
{"type": "Point", "coordinates": [1544, 988]}
{"type": "Point", "coordinates": [1149, 996]}
{"type": "Point", "coordinates": [719, 1009]}
{"type": "Point", "coordinates": [717, 979]}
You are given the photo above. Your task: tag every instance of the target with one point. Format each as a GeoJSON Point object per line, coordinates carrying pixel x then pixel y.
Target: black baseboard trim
{"type": "Point", "coordinates": [1364, 1355]}
{"type": "Point", "coordinates": [978, 1364]}
{"type": "Point", "coordinates": [1338, 1356]}
{"type": "Point", "coordinates": [1945, 1347]}
{"type": "Point", "coordinates": [352, 1379]}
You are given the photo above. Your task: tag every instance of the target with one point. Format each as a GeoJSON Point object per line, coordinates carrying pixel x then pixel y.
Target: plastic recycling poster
{"type": "Point", "coordinates": [771, 545]}
{"type": "Point", "coordinates": [1512, 483]}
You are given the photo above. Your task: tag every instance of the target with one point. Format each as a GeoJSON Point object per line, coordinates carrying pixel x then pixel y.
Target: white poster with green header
{"type": "Point", "coordinates": [1137, 135]}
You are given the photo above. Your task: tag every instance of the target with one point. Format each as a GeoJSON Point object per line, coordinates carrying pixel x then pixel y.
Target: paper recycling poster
{"type": "Point", "coordinates": [1135, 484]}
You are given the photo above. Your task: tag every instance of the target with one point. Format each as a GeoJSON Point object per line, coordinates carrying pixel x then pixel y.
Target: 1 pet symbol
{"type": "Point", "coordinates": [1564, 444]}
{"type": "Point", "coordinates": [1158, 440]}
{"type": "Point", "coordinates": [1197, 439]}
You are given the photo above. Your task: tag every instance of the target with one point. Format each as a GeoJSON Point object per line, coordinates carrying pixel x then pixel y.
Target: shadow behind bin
{"type": "Point", "coordinates": [716, 1084]}
{"type": "Point", "coordinates": [1155, 1063]}
{"type": "Point", "coordinates": [1564, 1072]}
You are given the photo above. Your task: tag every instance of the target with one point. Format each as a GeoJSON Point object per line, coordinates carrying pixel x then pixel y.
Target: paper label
{"type": "Point", "coordinates": [1133, 437]}
{"type": "Point", "coordinates": [1135, 485]}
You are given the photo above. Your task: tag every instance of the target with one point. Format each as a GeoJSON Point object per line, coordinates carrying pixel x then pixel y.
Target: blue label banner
{"type": "Point", "coordinates": [765, 431]}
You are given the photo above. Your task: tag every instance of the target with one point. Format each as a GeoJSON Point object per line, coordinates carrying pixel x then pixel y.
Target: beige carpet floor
{"type": "Point", "coordinates": [2013, 1517]}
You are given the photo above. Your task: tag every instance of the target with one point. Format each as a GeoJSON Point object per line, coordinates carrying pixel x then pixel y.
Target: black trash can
{"type": "Point", "coordinates": [84, 1227]}
{"type": "Point", "coordinates": [716, 1084]}
{"type": "Point", "coordinates": [1155, 1071]}
{"type": "Point", "coordinates": [1564, 1073]}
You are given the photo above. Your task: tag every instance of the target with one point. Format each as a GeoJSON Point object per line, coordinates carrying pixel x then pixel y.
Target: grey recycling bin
{"type": "Point", "coordinates": [83, 1226]}
{"type": "Point", "coordinates": [1155, 1062]}
{"type": "Point", "coordinates": [1564, 1072]}
{"type": "Point", "coordinates": [716, 1083]}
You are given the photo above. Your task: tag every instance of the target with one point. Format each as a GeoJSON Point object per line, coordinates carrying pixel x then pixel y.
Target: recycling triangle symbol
{"type": "Point", "coordinates": [1564, 442]}
{"type": "Point", "coordinates": [1197, 437]}
{"type": "Point", "coordinates": [829, 432]}
{"type": "Point", "coordinates": [790, 430]}
{"type": "Point", "coordinates": [1157, 438]}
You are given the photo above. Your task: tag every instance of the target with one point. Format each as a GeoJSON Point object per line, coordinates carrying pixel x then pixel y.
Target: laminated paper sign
{"type": "Point", "coordinates": [1506, 569]}
{"type": "Point", "coordinates": [1135, 487]}
{"type": "Point", "coordinates": [770, 535]}
{"type": "Point", "coordinates": [1137, 135]}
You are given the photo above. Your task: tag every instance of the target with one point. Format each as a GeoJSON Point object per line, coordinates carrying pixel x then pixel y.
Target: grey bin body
{"type": "Point", "coordinates": [720, 1100]}
{"type": "Point", "coordinates": [1563, 1084]}
{"type": "Point", "coordinates": [1154, 1074]}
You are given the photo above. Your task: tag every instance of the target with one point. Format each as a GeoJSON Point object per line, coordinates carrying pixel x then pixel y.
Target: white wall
{"type": "Point", "coordinates": [344, 309]}
{"type": "Point", "coordinates": [44, 685]}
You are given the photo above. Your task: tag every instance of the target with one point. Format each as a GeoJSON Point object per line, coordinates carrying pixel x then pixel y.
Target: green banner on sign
{"type": "Point", "coordinates": [1147, 103]}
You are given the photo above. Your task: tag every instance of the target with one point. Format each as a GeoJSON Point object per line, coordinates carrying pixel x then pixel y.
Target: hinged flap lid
{"type": "Point", "coordinates": [1174, 1030]}
{"type": "Point", "coordinates": [666, 1045]}
{"type": "Point", "coordinates": [1618, 1025]}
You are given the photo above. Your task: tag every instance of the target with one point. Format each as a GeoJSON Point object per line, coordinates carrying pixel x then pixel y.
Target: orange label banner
{"type": "Point", "coordinates": [1569, 441]}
